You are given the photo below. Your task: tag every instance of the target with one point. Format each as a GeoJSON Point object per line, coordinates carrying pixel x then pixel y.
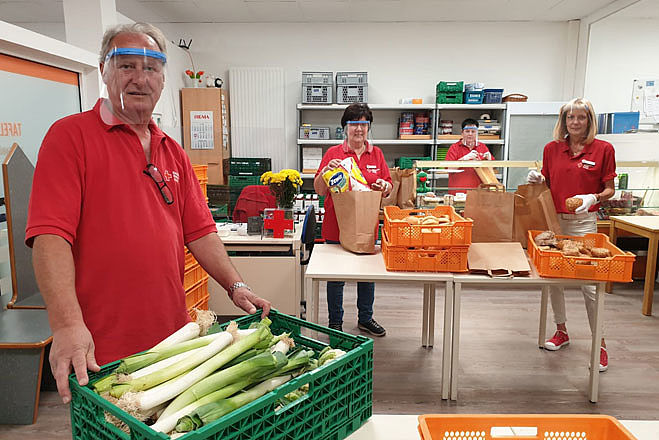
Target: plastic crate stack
{"type": "Point", "coordinates": [317, 88]}
{"type": "Point", "coordinates": [422, 247]}
{"type": "Point", "coordinates": [195, 278]}
{"type": "Point", "coordinates": [449, 92]}
{"type": "Point", "coordinates": [244, 171]}
{"type": "Point", "coordinates": [351, 87]}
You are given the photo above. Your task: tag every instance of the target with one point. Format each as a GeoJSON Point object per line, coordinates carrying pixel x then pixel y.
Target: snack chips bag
{"type": "Point", "coordinates": [346, 177]}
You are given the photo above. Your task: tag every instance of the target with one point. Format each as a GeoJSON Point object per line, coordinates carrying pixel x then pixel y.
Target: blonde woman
{"type": "Point", "coordinates": [576, 164]}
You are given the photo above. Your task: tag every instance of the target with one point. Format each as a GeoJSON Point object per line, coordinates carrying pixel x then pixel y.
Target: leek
{"type": "Point", "coordinates": [213, 411]}
{"type": "Point", "coordinates": [185, 333]}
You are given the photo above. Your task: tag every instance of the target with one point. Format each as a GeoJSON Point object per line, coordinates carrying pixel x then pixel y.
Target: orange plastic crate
{"type": "Point", "coordinates": [547, 427]}
{"type": "Point", "coordinates": [554, 264]}
{"type": "Point", "coordinates": [449, 259]}
{"type": "Point", "coordinates": [196, 293]}
{"type": "Point", "coordinates": [201, 305]}
{"type": "Point", "coordinates": [192, 276]}
{"type": "Point", "coordinates": [189, 259]}
{"type": "Point", "coordinates": [201, 171]}
{"type": "Point", "coordinates": [204, 184]}
{"type": "Point", "coordinates": [404, 234]}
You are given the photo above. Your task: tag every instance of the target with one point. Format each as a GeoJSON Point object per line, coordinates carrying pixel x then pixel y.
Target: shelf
{"type": "Point", "coordinates": [375, 142]}
{"type": "Point", "coordinates": [419, 107]}
{"type": "Point", "coordinates": [307, 175]}
{"type": "Point", "coordinates": [471, 106]}
{"type": "Point", "coordinates": [485, 141]}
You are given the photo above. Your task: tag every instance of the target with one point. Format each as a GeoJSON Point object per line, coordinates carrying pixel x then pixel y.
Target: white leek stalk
{"type": "Point", "coordinates": [185, 333]}
{"type": "Point", "coordinates": [162, 364]}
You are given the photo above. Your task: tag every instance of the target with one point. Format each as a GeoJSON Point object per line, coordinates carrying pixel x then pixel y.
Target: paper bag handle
{"type": "Point", "coordinates": [492, 186]}
{"type": "Point", "coordinates": [507, 274]}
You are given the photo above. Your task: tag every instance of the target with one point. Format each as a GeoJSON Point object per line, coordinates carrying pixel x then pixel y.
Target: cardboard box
{"type": "Point", "coordinates": [205, 111]}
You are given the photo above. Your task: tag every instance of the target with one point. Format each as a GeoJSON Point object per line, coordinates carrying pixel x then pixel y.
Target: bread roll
{"type": "Point", "coordinates": [571, 252]}
{"type": "Point", "coordinates": [412, 219]}
{"type": "Point", "coordinates": [573, 203]}
{"type": "Point", "coordinates": [600, 252]}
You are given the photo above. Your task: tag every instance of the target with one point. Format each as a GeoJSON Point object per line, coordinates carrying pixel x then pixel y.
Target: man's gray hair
{"type": "Point", "coordinates": [132, 28]}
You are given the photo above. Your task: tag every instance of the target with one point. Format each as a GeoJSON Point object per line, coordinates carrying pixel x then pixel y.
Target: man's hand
{"type": "Point", "coordinates": [472, 155]}
{"type": "Point", "coordinates": [381, 185]}
{"type": "Point", "coordinates": [588, 201]}
{"type": "Point", "coordinates": [72, 346]}
{"type": "Point", "coordinates": [534, 177]}
{"type": "Point", "coordinates": [249, 302]}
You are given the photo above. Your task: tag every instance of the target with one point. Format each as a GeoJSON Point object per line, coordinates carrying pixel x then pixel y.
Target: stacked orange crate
{"type": "Point", "coordinates": [195, 279]}
{"type": "Point", "coordinates": [425, 248]}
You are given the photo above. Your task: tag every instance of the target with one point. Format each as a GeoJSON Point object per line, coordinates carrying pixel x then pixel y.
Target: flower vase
{"type": "Point", "coordinates": [278, 222]}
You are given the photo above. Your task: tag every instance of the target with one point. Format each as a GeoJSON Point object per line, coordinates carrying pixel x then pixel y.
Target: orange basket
{"type": "Point", "coordinates": [553, 264]}
{"type": "Point", "coordinates": [449, 259]}
{"type": "Point", "coordinates": [201, 305]}
{"type": "Point", "coordinates": [192, 276]}
{"type": "Point", "coordinates": [189, 259]}
{"type": "Point", "coordinates": [196, 293]}
{"type": "Point", "coordinates": [521, 427]}
{"type": "Point", "coordinates": [201, 171]}
{"type": "Point", "coordinates": [403, 234]}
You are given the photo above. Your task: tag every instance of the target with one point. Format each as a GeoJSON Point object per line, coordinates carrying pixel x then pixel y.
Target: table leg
{"type": "Point", "coordinates": [650, 274]}
{"type": "Point", "coordinates": [613, 238]}
{"type": "Point", "coordinates": [455, 345]}
{"type": "Point", "coordinates": [424, 323]}
{"type": "Point", "coordinates": [595, 345]}
{"type": "Point", "coordinates": [431, 316]}
{"type": "Point", "coordinates": [542, 330]}
{"type": "Point", "coordinates": [315, 287]}
{"type": "Point", "coordinates": [446, 346]}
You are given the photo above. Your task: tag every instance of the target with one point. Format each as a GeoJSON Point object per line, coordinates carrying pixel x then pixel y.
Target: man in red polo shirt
{"type": "Point", "coordinates": [467, 148]}
{"type": "Point", "coordinates": [113, 202]}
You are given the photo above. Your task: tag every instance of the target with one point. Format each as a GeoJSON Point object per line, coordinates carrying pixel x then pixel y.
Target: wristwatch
{"type": "Point", "coordinates": [237, 285]}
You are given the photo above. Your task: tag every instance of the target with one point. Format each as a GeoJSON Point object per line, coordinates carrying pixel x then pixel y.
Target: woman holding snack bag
{"type": "Point", "coordinates": [354, 165]}
{"type": "Point", "coordinates": [579, 170]}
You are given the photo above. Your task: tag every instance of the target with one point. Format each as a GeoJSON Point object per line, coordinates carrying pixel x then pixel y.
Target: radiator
{"type": "Point", "coordinates": [257, 113]}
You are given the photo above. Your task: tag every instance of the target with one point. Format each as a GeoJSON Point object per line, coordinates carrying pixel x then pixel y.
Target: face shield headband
{"type": "Point", "coordinates": [136, 51]}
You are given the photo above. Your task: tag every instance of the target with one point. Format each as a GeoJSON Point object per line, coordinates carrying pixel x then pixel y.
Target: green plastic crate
{"type": "Point", "coordinates": [449, 98]}
{"type": "Point", "coordinates": [339, 402]}
{"type": "Point", "coordinates": [242, 181]}
{"type": "Point", "coordinates": [248, 166]}
{"type": "Point", "coordinates": [450, 86]}
{"type": "Point", "coordinates": [408, 162]}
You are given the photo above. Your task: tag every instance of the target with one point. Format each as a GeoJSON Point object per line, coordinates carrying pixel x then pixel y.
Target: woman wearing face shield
{"type": "Point", "coordinates": [356, 123]}
{"type": "Point", "coordinates": [575, 164]}
{"type": "Point", "coordinates": [467, 148]}
{"type": "Point", "coordinates": [113, 202]}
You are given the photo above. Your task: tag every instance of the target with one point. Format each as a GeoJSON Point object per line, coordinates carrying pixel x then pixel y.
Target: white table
{"type": "Point", "coordinates": [277, 278]}
{"type": "Point", "coordinates": [532, 280]}
{"type": "Point", "coordinates": [330, 262]}
{"type": "Point", "coordinates": [397, 427]}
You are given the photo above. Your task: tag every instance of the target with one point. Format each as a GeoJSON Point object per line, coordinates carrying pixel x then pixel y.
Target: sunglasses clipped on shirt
{"type": "Point", "coordinates": [152, 171]}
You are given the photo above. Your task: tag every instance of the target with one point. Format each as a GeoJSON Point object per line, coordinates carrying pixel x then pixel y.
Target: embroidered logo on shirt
{"type": "Point", "coordinates": [586, 164]}
{"type": "Point", "coordinates": [372, 168]}
{"type": "Point", "coordinates": [167, 175]}
{"type": "Point", "coordinates": [175, 175]}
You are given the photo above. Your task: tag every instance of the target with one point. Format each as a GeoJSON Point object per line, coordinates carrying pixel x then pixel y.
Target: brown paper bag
{"type": "Point", "coordinates": [357, 213]}
{"type": "Point", "coordinates": [498, 259]}
{"type": "Point", "coordinates": [407, 189]}
{"type": "Point", "coordinates": [491, 209]}
{"type": "Point", "coordinates": [534, 209]}
{"type": "Point", "coordinates": [392, 198]}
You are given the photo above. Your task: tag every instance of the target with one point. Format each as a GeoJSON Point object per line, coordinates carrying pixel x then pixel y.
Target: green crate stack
{"type": "Point", "coordinates": [340, 399]}
{"type": "Point", "coordinates": [449, 92]}
{"type": "Point", "coordinates": [441, 153]}
{"type": "Point", "coordinates": [406, 162]}
{"type": "Point", "coordinates": [247, 166]}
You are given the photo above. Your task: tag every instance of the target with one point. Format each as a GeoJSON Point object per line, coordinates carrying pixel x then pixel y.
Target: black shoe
{"type": "Point", "coordinates": [338, 327]}
{"type": "Point", "coordinates": [372, 327]}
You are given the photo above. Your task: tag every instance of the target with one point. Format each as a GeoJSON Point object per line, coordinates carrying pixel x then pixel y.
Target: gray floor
{"type": "Point", "coordinates": [501, 368]}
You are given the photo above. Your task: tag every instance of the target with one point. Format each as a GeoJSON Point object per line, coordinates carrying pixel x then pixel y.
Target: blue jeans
{"type": "Point", "coordinates": [365, 299]}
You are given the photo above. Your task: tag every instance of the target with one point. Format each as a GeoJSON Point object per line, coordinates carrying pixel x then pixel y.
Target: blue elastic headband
{"type": "Point", "coordinates": [358, 122]}
{"type": "Point", "coordinates": [136, 51]}
{"type": "Point", "coordinates": [470, 127]}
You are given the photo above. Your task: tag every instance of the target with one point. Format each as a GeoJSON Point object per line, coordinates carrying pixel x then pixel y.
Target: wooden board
{"type": "Point", "coordinates": [411, 137]}
{"type": "Point", "coordinates": [486, 174]}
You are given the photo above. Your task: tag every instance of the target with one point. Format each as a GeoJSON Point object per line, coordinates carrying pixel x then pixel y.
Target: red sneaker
{"type": "Point", "coordinates": [604, 359]}
{"type": "Point", "coordinates": [560, 339]}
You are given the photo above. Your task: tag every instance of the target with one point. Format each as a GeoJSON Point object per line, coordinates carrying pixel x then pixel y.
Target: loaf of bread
{"type": "Point", "coordinates": [600, 252]}
{"type": "Point", "coordinates": [573, 203]}
{"type": "Point", "coordinates": [546, 238]}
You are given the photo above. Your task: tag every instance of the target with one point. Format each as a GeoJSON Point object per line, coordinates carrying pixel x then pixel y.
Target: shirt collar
{"type": "Point", "coordinates": [346, 148]}
{"type": "Point", "coordinates": [110, 120]}
{"type": "Point", "coordinates": [565, 147]}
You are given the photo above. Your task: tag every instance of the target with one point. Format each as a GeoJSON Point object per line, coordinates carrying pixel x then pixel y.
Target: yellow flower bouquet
{"type": "Point", "coordinates": [284, 185]}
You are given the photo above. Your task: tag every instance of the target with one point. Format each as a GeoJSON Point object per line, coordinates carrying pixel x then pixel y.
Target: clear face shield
{"type": "Point", "coordinates": [470, 136]}
{"type": "Point", "coordinates": [133, 80]}
{"type": "Point", "coordinates": [357, 131]}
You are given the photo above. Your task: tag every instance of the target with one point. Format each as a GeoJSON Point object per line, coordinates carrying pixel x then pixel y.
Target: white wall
{"type": "Point", "coordinates": [620, 51]}
{"type": "Point", "coordinates": [403, 59]}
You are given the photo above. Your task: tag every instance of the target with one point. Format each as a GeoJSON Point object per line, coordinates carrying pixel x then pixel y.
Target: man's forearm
{"type": "Point", "coordinates": [55, 274]}
{"type": "Point", "coordinates": [211, 254]}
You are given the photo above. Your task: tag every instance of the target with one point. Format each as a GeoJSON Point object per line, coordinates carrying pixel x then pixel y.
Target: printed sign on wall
{"type": "Point", "coordinates": [201, 130]}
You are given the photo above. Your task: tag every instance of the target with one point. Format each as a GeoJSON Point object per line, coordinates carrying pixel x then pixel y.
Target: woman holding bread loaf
{"type": "Point", "coordinates": [579, 170]}
{"type": "Point", "coordinates": [356, 123]}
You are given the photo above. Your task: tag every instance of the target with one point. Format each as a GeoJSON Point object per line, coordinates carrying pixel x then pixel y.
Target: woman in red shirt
{"type": "Point", "coordinates": [356, 122]}
{"type": "Point", "coordinates": [575, 164]}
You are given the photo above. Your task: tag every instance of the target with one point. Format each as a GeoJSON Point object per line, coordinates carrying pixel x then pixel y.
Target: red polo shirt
{"type": "Point", "coordinates": [127, 243]}
{"type": "Point", "coordinates": [568, 176]}
{"type": "Point", "coordinates": [373, 167]}
{"type": "Point", "coordinates": [467, 178]}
